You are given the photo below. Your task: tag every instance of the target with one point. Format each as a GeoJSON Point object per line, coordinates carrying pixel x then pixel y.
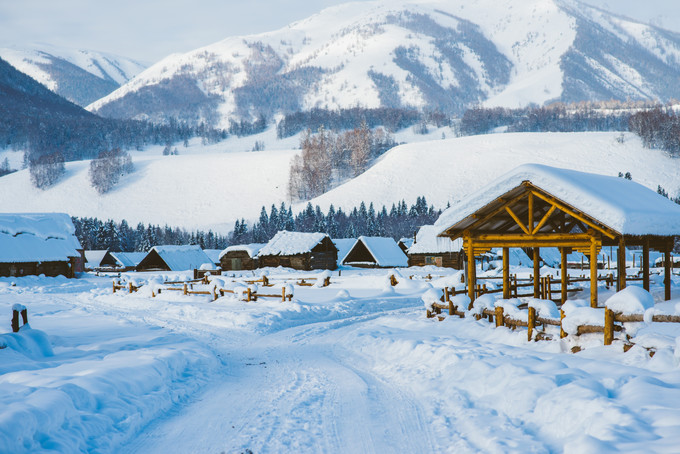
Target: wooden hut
{"type": "Point", "coordinates": [375, 252]}
{"type": "Point", "coordinates": [240, 257]}
{"type": "Point", "coordinates": [427, 249]}
{"type": "Point", "coordinates": [302, 251]}
{"type": "Point", "coordinates": [39, 243]}
{"type": "Point", "coordinates": [536, 206]}
{"type": "Point", "coordinates": [174, 258]}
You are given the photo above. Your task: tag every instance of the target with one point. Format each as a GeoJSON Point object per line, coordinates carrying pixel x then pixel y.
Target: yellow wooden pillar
{"type": "Point", "coordinates": [593, 271]}
{"type": "Point", "coordinates": [506, 273]}
{"type": "Point", "coordinates": [645, 264]}
{"type": "Point", "coordinates": [537, 273]}
{"type": "Point", "coordinates": [621, 269]}
{"type": "Point", "coordinates": [472, 278]}
{"type": "Point", "coordinates": [564, 276]}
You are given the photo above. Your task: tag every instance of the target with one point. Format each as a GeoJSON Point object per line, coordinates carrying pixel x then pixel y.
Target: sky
{"type": "Point", "coordinates": [148, 30]}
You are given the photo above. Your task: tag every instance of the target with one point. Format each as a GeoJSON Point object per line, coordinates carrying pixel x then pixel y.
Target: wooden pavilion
{"type": "Point", "coordinates": [536, 206]}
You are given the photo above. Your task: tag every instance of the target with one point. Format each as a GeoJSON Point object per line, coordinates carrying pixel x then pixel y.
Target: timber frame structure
{"type": "Point", "coordinates": [530, 217]}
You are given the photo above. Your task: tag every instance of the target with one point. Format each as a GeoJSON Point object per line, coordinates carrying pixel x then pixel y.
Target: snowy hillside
{"type": "Point", "coordinates": [426, 54]}
{"type": "Point", "coordinates": [81, 76]}
{"type": "Point", "coordinates": [212, 187]}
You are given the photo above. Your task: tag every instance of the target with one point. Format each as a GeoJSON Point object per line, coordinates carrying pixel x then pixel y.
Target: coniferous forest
{"type": "Point", "coordinates": [397, 222]}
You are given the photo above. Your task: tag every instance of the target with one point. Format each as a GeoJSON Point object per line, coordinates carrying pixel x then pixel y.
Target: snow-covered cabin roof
{"type": "Point", "coordinates": [407, 242]}
{"type": "Point", "coordinates": [344, 245]}
{"type": "Point", "coordinates": [252, 249]}
{"type": "Point", "coordinates": [427, 242]}
{"type": "Point", "coordinates": [620, 204]}
{"type": "Point", "coordinates": [128, 259]}
{"type": "Point", "coordinates": [93, 258]}
{"type": "Point", "coordinates": [37, 237]}
{"type": "Point", "coordinates": [385, 251]}
{"type": "Point", "coordinates": [180, 258]}
{"type": "Point", "coordinates": [292, 243]}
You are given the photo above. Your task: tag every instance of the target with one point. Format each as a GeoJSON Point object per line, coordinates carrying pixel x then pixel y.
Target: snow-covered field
{"type": "Point", "coordinates": [352, 367]}
{"type": "Point", "coordinates": [212, 186]}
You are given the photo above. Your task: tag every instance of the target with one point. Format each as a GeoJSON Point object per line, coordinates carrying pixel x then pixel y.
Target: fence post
{"type": "Point", "coordinates": [129, 287]}
{"type": "Point", "coordinates": [283, 294]}
{"type": "Point", "coordinates": [531, 322]}
{"type": "Point", "coordinates": [499, 316]}
{"type": "Point", "coordinates": [15, 321]}
{"type": "Point", "coordinates": [327, 281]}
{"type": "Point", "coordinates": [608, 326]}
{"type": "Point", "coordinates": [446, 294]}
{"type": "Point", "coordinates": [114, 286]}
{"type": "Point", "coordinates": [562, 333]}
{"type": "Point", "coordinates": [248, 295]}
{"type": "Point", "coordinates": [184, 289]}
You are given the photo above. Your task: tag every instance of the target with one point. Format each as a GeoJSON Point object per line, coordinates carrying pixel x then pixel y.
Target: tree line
{"type": "Point", "coordinates": [397, 222]}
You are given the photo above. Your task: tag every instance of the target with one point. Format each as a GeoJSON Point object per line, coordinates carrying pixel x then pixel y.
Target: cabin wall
{"type": "Point", "coordinates": [447, 260]}
{"type": "Point", "coordinates": [238, 260]}
{"type": "Point", "coordinates": [34, 268]}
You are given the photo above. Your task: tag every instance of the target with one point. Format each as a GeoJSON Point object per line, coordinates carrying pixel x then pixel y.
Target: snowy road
{"type": "Point", "coordinates": [355, 367]}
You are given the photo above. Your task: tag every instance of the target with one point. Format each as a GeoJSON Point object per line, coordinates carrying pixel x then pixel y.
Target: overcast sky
{"type": "Point", "coordinates": [148, 30]}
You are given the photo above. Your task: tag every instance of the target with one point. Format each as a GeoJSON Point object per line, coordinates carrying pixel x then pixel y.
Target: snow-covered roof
{"type": "Point", "coordinates": [408, 242]}
{"type": "Point", "coordinates": [252, 249]}
{"type": "Point", "coordinates": [37, 237]}
{"type": "Point", "coordinates": [180, 258]}
{"type": "Point", "coordinates": [291, 243]}
{"type": "Point", "coordinates": [427, 242]}
{"type": "Point", "coordinates": [385, 251]}
{"type": "Point", "coordinates": [344, 245]}
{"type": "Point", "coordinates": [128, 259]}
{"type": "Point", "coordinates": [93, 258]}
{"type": "Point", "coordinates": [620, 204]}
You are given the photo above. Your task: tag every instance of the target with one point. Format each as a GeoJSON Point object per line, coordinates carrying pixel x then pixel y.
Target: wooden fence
{"type": "Point", "coordinates": [533, 320]}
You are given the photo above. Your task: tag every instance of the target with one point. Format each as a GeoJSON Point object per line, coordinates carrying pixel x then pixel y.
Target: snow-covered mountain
{"type": "Point", "coordinates": [428, 54]}
{"type": "Point", "coordinates": [218, 184]}
{"type": "Point", "coordinates": [81, 76]}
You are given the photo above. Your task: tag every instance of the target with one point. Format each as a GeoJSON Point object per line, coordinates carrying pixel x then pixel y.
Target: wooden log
{"type": "Point", "coordinates": [531, 322]}
{"type": "Point", "coordinates": [184, 288]}
{"type": "Point", "coordinates": [15, 321]}
{"type": "Point", "coordinates": [586, 329]}
{"type": "Point", "coordinates": [248, 295]}
{"type": "Point", "coordinates": [283, 294]}
{"type": "Point", "coordinates": [563, 334]}
{"type": "Point", "coordinates": [608, 326]}
{"type": "Point", "coordinates": [114, 286]}
{"type": "Point", "coordinates": [499, 316]}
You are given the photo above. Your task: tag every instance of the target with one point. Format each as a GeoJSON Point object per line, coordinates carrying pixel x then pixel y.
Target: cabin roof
{"type": "Point", "coordinates": [184, 257]}
{"type": "Point", "coordinates": [344, 245]}
{"type": "Point", "coordinates": [292, 243]}
{"type": "Point", "coordinates": [621, 205]}
{"type": "Point", "coordinates": [385, 251]}
{"type": "Point", "coordinates": [128, 259]}
{"type": "Point", "coordinates": [252, 249]}
{"type": "Point", "coordinates": [37, 237]}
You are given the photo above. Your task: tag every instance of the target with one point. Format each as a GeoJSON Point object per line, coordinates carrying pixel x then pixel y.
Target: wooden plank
{"type": "Point", "coordinates": [543, 220]}
{"type": "Point", "coordinates": [516, 219]}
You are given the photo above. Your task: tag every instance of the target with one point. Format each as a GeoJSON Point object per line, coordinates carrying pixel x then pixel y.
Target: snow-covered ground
{"type": "Point", "coordinates": [352, 367]}
{"type": "Point", "coordinates": [211, 186]}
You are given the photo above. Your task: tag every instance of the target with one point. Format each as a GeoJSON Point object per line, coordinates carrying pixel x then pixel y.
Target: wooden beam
{"type": "Point", "coordinates": [506, 273]}
{"type": "Point", "coordinates": [543, 220]}
{"type": "Point", "coordinates": [516, 219]}
{"type": "Point", "coordinates": [621, 274]}
{"type": "Point", "coordinates": [667, 271]}
{"type": "Point", "coordinates": [472, 281]}
{"type": "Point", "coordinates": [554, 201]}
{"type": "Point", "coordinates": [537, 273]}
{"type": "Point", "coordinates": [530, 224]}
{"type": "Point", "coordinates": [593, 271]}
{"type": "Point", "coordinates": [583, 237]}
{"type": "Point", "coordinates": [493, 212]}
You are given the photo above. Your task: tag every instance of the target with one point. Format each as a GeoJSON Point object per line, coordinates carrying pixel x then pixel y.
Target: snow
{"type": "Point", "coordinates": [631, 300]}
{"type": "Point", "coordinates": [37, 237]}
{"type": "Point", "coordinates": [128, 259]}
{"type": "Point", "coordinates": [623, 205]}
{"type": "Point", "coordinates": [94, 258]}
{"type": "Point", "coordinates": [344, 368]}
{"type": "Point", "coordinates": [291, 243]}
{"type": "Point", "coordinates": [385, 251]}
